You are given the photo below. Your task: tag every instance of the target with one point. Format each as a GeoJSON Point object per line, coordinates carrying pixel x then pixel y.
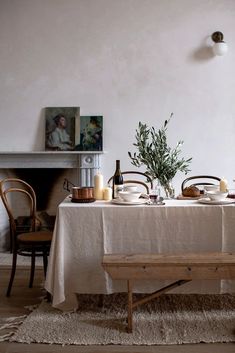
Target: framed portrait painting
{"type": "Point", "coordinates": [89, 133]}
{"type": "Point", "coordinates": [60, 128]}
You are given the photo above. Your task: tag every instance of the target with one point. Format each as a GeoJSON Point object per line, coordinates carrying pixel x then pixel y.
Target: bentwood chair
{"type": "Point", "coordinates": [147, 179]}
{"type": "Point", "coordinates": [18, 196]}
{"type": "Point", "coordinates": [201, 180]}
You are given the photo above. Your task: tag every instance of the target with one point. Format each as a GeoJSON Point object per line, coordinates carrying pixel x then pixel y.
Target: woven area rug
{"type": "Point", "coordinates": [170, 319]}
{"type": "Point", "coordinates": [6, 260]}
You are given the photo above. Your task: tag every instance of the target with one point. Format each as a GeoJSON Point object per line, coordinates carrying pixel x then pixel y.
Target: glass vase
{"type": "Point", "coordinates": [169, 191]}
{"type": "Point", "coordinates": [166, 190]}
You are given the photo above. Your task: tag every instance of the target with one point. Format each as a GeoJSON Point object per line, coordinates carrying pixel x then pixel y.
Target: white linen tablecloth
{"type": "Point", "coordinates": [84, 232]}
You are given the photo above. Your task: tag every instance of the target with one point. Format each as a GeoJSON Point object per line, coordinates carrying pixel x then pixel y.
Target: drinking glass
{"type": "Point", "coordinates": [231, 193]}
{"type": "Point", "coordinates": [154, 196]}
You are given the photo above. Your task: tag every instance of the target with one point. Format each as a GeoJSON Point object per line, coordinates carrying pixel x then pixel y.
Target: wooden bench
{"type": "Point", "coordinates": [183, 267]}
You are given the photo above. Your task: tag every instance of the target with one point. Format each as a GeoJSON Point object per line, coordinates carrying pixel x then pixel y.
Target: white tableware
{"type": "Point", "coordinates": [127, 203]}
{"type": "Point", "coordinates": [130, 188]}
{"type": "Point", "coordinates": [216, 195]}
{"type": "Point", "coordinates": [129, 196]}
{"type": "Point", "coordinates": [208, 201]}
{"type": "Point", "coordinates": [211, 188]}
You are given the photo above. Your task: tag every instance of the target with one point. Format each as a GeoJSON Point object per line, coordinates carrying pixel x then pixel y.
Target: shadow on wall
{"type": "Point", "coordinates": [204, 51]}
{"type": "Point", "coordinates": [202, 54]}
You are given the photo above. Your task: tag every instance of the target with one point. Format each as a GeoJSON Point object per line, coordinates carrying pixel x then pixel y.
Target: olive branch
{"type": "Point", "coordinates": [161, 161]}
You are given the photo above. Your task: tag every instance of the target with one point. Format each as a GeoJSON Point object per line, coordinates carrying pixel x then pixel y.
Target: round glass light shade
{"type": "Point", "coordinates": [220, 48]}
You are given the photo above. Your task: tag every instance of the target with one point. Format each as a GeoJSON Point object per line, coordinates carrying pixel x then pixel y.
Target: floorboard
{"type": "Point", "coordinates": [23, 296]}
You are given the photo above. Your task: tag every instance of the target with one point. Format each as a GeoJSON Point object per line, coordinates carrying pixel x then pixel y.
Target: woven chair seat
{"type": "Point", "coordinates": [35, 237]}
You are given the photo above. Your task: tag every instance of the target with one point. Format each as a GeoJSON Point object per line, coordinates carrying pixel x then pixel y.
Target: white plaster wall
{"type": "Point", "coordinates": [128, 60]}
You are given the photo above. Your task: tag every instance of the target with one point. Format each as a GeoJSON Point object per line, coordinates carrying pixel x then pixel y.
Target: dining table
{"type": "Point", "coordinates": [84, 232]}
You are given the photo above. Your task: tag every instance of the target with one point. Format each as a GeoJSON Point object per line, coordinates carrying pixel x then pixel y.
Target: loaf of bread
{"type": "Point", "coordinates": [191, 191]}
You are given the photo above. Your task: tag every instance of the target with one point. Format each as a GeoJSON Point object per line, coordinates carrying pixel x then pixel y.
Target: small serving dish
{"type": "Point", "coordinates": [129, 196]}
{"type": "Point", "coordinates": [216, 195]}
{"type": "Point", "coordinates": [130, 188]}
{"type": "Point", "coordinates": [211, 188]}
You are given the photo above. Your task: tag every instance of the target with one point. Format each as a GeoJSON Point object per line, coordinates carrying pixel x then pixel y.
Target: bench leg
{"type": "Point", "coordinates": [130, 306]}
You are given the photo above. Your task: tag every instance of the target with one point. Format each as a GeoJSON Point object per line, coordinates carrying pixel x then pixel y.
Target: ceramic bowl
{"type": "Point", "coordinates": [130, 188]}
{"type": "Point", "coordinates": [211, 188]}
{"type": "Point", "coordinates": [129, 196]}
{"type": "Point", "coordinates": [216, 195]}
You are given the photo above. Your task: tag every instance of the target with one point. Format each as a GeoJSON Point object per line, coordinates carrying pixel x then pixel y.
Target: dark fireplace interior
{"type": "Point", "coordinates": [42, 180]}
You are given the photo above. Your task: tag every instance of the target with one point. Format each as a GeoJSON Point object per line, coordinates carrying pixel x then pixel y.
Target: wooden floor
{"type": "Point", "coordinates": [22, 296]}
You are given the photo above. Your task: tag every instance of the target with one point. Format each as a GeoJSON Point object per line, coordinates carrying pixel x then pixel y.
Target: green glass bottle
{"type": "Point", "coordinates": [117, 180]}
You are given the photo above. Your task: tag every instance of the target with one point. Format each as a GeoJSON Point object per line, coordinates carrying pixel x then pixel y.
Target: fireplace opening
{"type": "Point", "coordinates": [48, 182]}
{"type": "Point", "coordinates": [42, 180]}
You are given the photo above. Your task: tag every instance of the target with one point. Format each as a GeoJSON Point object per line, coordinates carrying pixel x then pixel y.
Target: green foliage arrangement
{"type": "Point", "coordinates": [161, 161]}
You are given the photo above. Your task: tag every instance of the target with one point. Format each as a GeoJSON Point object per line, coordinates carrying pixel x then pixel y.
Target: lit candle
{"type": "Point", "coordinates": [223, 185]}
{"type": "Point", "coordinates": [107, 193]}
{"type": "Point", "coordinates": [98, 186]}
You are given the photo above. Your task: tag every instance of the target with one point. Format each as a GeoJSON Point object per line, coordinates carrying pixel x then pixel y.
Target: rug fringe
{"type": "Point", "coordinates": [6, 337]}
{"type": "Point", "coordinates": [14, 318]}
{"type": "Point", "coordinates": [11, 323]}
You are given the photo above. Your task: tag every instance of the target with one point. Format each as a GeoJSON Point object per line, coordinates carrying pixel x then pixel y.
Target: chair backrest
{"type": "Point", "coordinates": [14, 186]}
{"type": "Point", "coordinates": [205, 180]}
{"type": "Point", "coordinates": [135, 181]}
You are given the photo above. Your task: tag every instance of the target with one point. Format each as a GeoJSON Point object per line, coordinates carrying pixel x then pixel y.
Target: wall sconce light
{"type": "Point", "coordinates": [220, 47]}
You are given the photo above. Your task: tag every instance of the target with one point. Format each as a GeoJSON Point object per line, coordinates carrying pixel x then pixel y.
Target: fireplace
{"type": "Point", "coordinates": [46, 172]}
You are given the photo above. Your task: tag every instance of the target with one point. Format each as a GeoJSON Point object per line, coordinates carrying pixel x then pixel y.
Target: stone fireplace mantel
{"type": "Point", "coordinates": [87, 163]}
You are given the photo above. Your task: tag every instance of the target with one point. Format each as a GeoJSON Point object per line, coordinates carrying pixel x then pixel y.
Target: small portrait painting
{"type": "Point", "coordinates": [60, 128]}
{"type": "Point", "coordinates": [89, 133]}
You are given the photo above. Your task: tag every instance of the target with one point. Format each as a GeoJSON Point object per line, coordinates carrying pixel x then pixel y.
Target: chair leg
{"type": "Point", "coordinates": [130, 307]}
{"type": "Point", "coordinates": [48, 297]}
{"type": "Point", "coordinates": [13, 271]}
{"type": "Point", "coordinates": [32, 269]}
{"type": "Point", "coordinates": [11, 242]}
{"type": "Point", "coordinates": [45, 261]}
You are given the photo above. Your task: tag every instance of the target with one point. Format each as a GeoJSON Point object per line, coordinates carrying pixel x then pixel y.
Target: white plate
{"type": "Point", "coordinates": [122, 202]}
{"type": "Point", "coordinates": [213, 202]}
